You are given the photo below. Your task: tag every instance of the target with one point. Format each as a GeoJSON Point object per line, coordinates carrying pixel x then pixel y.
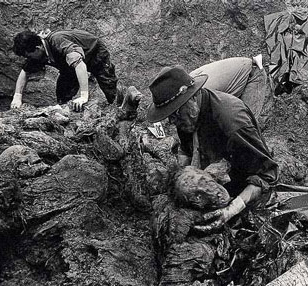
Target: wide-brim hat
{"type": "Point", "coordinates": [170, 89]}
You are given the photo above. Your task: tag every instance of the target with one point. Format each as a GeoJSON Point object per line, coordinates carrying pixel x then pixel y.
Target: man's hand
{"type": "Point", "coordinates": [17, 101]}
{"type": "Point", "coordinates": [78, 103]}
{"type": "Point", "coordinates": [221, 216]}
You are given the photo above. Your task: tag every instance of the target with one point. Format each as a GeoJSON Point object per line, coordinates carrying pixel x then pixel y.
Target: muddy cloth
{"type": "Point", "coordinates": [286, 39]}
{"type": "Point", "coordinates": [60, 46]}
{"type": "Point", "coordinates": [239, 77]}
{"type": "Point", "coordinates": [227, 129]}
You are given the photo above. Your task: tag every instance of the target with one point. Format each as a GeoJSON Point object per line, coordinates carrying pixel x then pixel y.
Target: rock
{"type": "Point", "coordinates": [197, 189]}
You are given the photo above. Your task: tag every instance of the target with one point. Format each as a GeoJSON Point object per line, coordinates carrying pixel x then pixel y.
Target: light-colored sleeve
{"type": "Point", "coordinates": [229, 75]}
{"type": "Point", "coordinates": [74, 58]}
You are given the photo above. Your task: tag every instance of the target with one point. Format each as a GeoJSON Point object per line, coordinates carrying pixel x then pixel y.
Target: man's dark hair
{"type": "Point", "coordinates": [26, 41]}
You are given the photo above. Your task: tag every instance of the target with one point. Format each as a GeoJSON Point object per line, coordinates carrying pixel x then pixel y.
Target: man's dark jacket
{"type": "Point", "coordinates": [227, 129]}
{"type": "Point", "coordinates": [61, 43]}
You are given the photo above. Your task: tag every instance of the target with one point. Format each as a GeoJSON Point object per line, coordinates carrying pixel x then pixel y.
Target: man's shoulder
{"type": "Point", "coordinates": [224, 98]}
{"type": "Point", "coordinates": [70, 33]}
{"type": "Point", "coordinates": [230, 111]}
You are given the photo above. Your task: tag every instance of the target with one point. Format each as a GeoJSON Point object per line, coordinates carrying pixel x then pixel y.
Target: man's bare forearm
{"type": "Point", "coordinates": [250, 194]}
{"type": "Point", "coordinates": [21, 82]}
{"type": "Point", "coordinates": [82, 76]}
{"type": "Point", "coordinates": [20, 85]}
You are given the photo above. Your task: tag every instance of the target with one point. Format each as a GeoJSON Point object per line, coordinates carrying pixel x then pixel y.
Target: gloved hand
{"type": "Point", "coordinates": [221, 216]}
{"type": "Point", "coordinates": [17, 101]}
{"type": "Point", "coordinates": [80, 101]}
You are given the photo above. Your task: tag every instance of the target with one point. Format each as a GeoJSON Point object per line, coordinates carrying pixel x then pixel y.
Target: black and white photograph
{"type": "Point", "coordinates": [153, 142]}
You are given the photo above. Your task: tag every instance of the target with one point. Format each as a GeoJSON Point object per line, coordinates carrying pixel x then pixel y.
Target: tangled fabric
{"type": "Point", "coordinates": [286, 39]}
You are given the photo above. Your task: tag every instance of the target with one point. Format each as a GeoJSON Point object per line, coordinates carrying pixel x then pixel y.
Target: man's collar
{"type": "Point", "coordinates": [43, 35]}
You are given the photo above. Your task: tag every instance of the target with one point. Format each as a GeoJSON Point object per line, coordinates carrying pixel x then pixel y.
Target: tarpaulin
{"type": "Point", "coordinates": [286, 39]}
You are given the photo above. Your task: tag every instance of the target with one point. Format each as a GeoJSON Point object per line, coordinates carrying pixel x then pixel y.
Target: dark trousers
{"type": "Point", "coordinates": [100, 67]}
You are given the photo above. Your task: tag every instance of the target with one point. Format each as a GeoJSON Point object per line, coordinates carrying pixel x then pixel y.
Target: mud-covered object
{"type": "Point", "coordinates": [43, 144]}
{"type": "Point", "coordinates": [182, 256]}
{"type": "Point", "coordinates": [10, 194]}
{"type": "Point", "coordinates": [181, 260]}
{"type": "Point", "coordinates": [130, 103]}
{"type": "Point", "coordinates": [107, 147]}
{"type": "Point", "coordinates": [41, 123]}
{"type": "Point", "coordinates": [170, 223]}
{"type": "Point", "coordinates": [22, 162]}
{"type": "Point", "coordinates": [292, 170]}
{"type": "Point", "coordinates": [197, 189]}
{"type": "Point", "coordinates": [219, 171]}
{"type": "Point", "coordinates": [162, 149]}
{"type": "Point", "coordinates": [73, 179]}
{"type": "Point", "coordinates": [148, 165]}
{"type": "Point", "coordinates": [10, 201]}
{"type": "Point", "coordinates": [187, 262]}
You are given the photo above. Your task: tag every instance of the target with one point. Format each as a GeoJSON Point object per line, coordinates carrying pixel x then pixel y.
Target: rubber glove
{"type": "Point", "coordinates": [17, 101]}
{"type": "Point", "coordinates": [80, 101]}
{"type": "Point", "coordinates": [221, 216]}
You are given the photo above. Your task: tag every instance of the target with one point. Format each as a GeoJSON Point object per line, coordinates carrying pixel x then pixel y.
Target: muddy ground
{"type": "Point", "coordinates": [103, 236]}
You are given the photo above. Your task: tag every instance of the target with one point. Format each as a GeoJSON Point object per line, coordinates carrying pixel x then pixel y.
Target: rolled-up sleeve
{"type": "Point", "coordinates": [249, 156]}
{"type": "Point", "coordinates": [73, 59]}
{"type": "Point", "coordinates": [73, 53]}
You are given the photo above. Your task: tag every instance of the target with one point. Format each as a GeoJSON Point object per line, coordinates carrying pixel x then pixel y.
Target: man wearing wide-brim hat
{"type": "Point", "coordinates": [215, 125]}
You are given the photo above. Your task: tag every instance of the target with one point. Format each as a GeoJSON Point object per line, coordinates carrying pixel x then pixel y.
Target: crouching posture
{"type": "Point", "coordinates": [213, 125]}
{"type": "Point", "coordinates": [74, 53]}
{"type": "Point", "coordinates": [242, 77]}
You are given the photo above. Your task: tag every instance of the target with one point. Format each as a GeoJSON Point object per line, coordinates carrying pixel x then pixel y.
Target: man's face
{"type": "Point", "coordinates": [38, 55]}
{"type": "Point", "coordinates": [185, 118]}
